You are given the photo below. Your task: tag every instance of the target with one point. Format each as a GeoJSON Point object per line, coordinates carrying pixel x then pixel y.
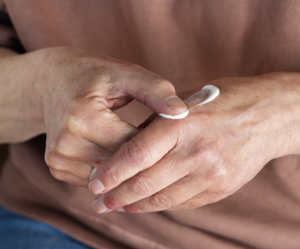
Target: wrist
{"type": "Point", "coordinates": [283, 111]}
{"type": "Point", "coordinates": [19, 112]}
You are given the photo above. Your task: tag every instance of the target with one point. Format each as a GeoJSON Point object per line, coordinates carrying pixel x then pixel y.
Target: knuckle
{"type": "Point", "coordinates": [57, 174]}
{"type": "Point", "coordinates": [59, 148]}
{"type": "Point", "coordinates": [218, 173]}
{"type": "Point", "coordinates": [223, 188]}
{"type": "Point", "coordinates": [63, 53]}
{"type": "Point", "coordinates": [136, 154]}
{"type": "Point", "coordinates": [107, 114]}
{"type": "Point", "coordinates": [68, 49]}
{"type": "Point", "coordinates": [163, 201]}
{"type": "Point", "coordinates": [133, 67]}
{"type": "Point", "coordinates": [213, 198]}
{"type": "Point", "coordinates": [228, 188]}
{"type": "Point", "coordinates": [141, 185]}
{"type": "Point", "coordinates": [164, 84]}
{"type": "Point", "coordinates": [50, 158]}
{"type": "Point", "coordinates": [53, 161]}
{"type": "Point", "coordinates": [76, 125]}
{"type": "Point", "coordinates": [64, 146]}
{"type": "Point", "coordinates": [215, 167]}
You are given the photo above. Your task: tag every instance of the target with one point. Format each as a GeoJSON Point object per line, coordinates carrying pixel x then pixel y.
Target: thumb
{"type": "Point", "coordinates": [155, 92]}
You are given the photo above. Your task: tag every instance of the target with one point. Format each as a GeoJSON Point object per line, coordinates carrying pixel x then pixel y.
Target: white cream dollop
{"type": "Point", "coordinates": [205, 95]}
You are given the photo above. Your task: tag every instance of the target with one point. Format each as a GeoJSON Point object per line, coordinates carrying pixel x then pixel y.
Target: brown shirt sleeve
{"type": "Point", "coordinates": [8, 36]}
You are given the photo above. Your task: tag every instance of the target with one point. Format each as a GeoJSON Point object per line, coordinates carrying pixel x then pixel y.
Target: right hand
{"type": "Point", "coordinates": [76, 94]}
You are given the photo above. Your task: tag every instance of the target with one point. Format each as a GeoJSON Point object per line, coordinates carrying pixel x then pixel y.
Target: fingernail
{"type": "Point", "coordinates": [96, 187]}
{"type": "Point", "coordinates": [120, 209]}
{"type": "Point", "coordinates": [99, 206]}
{"type": "Point", "coordinates": [175, 102]}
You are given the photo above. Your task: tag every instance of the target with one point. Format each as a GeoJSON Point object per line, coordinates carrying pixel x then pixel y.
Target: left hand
{"type": "Point", "coordinates": [214, 151]}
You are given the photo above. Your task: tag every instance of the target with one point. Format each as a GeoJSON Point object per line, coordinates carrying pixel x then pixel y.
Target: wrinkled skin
{"type": "Point", "coordinates": [214, 151]}
{"type": "Point", "coordinates": [91, 132]}
{"type": "Point", "coordinates": [170, 164]}
{"type": "Point", "coordinates": [70, 96]}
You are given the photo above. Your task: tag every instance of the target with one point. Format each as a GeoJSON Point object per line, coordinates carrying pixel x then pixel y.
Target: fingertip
{"type": "Point", "coordinates": [96, 186]}
{"type": "Point", "coordinates": [175, 105]}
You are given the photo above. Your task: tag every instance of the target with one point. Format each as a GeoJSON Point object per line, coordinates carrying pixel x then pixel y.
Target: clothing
{"type": "Point", "coordinates": [189, 43]}
{"type": "Point", "coordinates": [17, 232]}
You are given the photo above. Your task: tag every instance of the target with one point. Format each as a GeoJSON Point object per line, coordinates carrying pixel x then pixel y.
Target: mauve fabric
{"type": "Point", "coordinates": [189, 43]}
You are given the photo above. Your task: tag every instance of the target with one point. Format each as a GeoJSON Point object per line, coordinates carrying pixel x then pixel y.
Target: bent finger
{"type": "Point", "coordinates": [69, 178]}
{"type": "Point", "coordinates": [155, 92]}
{"type": "Point", "coordinates": [75, 155]}
{"type": "Point", "coordinates": [146, 183]}
{"type": "Point", "coordinates": [140, 153]}
{"type": "Point", "coordinates": [98, 124]}
{"type": "Point", "coordinates": [78, 169]}
{"type": "Point", "coordinates": [179, 192]}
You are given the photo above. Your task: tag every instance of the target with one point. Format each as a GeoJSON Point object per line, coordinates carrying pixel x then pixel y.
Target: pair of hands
{"type": "Point", "coordinates": [169, 164]}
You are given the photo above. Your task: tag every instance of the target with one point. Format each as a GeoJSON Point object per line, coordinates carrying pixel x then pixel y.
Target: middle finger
{"type": "Point", "coordinates": [143, 184]}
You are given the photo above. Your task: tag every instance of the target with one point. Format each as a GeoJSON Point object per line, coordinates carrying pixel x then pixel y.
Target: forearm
{"type": "Point", "coordinates": [19, 117]}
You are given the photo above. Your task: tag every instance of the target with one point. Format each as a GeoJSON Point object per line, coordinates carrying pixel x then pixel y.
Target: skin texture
{"type": "Point", "coordinates": [70, 95]}
{"type": "Point", "coordinates": [169, 164]}
{"type": "Point", "coordinates": [214, 151]}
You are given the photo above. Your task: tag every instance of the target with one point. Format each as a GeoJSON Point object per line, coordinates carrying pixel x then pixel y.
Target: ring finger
{"type": "Point", "coordinates": [179, 192]}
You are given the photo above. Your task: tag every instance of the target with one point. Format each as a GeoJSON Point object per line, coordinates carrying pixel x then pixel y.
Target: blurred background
{"type": "Point", "coordinates": [3, 154]}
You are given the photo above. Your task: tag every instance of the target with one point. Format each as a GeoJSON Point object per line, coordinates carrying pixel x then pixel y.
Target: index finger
{"type": "Point", "coordinates": [141, 152]}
